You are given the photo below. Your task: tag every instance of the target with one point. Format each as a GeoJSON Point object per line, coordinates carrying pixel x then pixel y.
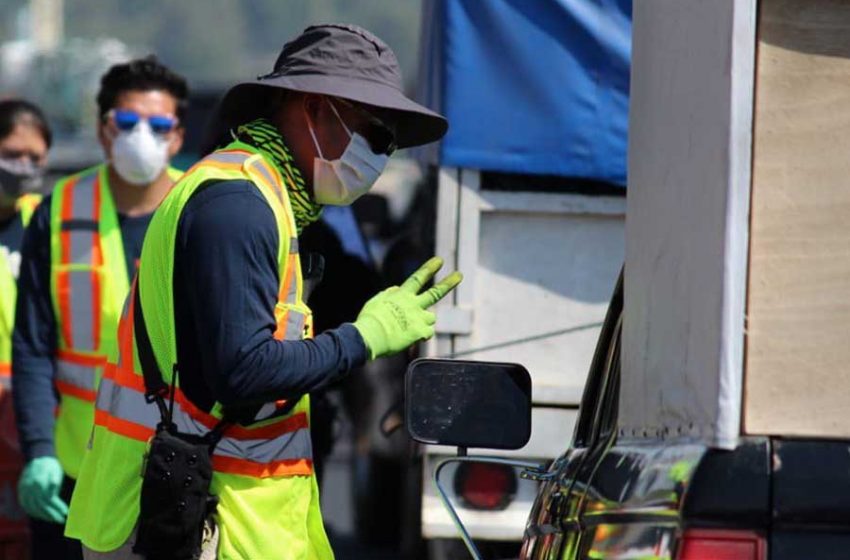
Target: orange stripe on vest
{"type": "Point", "coordinates": [289, 467]}
{"type": "Point", "coordinates": [71, 391]}
{"type": "Point", "coordinates": [81, 359]}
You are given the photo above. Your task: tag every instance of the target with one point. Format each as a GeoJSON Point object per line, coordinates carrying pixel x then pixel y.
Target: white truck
{"type": "Point", "coordinates": [539, 268]}
{"type": "Point", "coordinates": [531, 208]}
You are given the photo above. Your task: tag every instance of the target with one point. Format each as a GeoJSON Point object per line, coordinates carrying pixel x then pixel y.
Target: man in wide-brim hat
{"type": "Point", "coordinates": [219, 303]}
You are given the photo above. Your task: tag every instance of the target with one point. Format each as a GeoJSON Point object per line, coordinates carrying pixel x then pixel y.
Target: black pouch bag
{"type": "Point", "coordinates": [175, 501]}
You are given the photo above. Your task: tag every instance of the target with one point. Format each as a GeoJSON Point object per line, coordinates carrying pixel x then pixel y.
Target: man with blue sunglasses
{"type": "Point", "coordinates": [78, 257]}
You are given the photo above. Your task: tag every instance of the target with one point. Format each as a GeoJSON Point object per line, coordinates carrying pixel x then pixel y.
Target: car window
{"type": "Point", "coordinates": [606, 420]}
{"type": "Point", "coordinates": [605, 362]}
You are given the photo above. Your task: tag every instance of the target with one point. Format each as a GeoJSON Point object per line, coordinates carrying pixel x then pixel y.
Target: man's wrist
{"type": "Point", "coordinates": [39, 449]}
{"type": "Point", "coordinates": [364, 326]}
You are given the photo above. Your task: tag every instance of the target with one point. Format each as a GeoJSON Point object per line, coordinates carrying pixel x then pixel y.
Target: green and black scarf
{"type": "Point", "coordinates": [264, 136]}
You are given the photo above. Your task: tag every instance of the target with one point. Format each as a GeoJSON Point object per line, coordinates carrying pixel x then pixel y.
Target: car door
{"type": "Point", "coordinates": [553, 529]}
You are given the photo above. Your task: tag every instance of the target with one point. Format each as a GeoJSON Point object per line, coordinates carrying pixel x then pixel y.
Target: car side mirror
{"type": "Point", "coordinates": [468, 404]}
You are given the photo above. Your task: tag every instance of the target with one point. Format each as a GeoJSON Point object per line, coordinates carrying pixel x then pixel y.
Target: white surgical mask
{"type": "Point", "coordinates": [341, 181]}
{"type": "Point", "coordinates": [139, 155]}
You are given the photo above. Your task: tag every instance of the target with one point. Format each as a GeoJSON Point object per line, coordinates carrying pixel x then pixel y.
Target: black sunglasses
{"type": "Point", "coordinates": [380, 136]}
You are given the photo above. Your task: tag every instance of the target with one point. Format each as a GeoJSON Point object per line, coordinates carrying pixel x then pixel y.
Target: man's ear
{"type": "Point", "coordinates": [103, 136]}
{"type": "Point", "coordinates": [312, 104]}
{"type": "Point", "coordinates": [176, 141]}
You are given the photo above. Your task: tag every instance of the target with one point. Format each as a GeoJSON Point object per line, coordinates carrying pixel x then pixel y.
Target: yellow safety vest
{"type": "Point", "coordinates": [24, 206]}
{"type": "Point", "coordinates": [263, 471]}
{"type": "Point", "coordinates": [88, 282]}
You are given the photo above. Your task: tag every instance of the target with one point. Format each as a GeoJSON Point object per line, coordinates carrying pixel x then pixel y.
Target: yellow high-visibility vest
{"type": "Point", "coordinates": [263, 471]}
{"type": "Point", "coordinates": [88, 283]}
{"type": "Point", "coordinates": [24, 207]}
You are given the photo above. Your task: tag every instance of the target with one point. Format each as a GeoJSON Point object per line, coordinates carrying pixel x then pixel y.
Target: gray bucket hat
{"type": "Point", "coordinates": [342, 61]}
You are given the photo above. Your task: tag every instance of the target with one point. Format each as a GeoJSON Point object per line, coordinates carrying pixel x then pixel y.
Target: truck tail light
{"type": "Point", "coordinates": [721, 544]}
{"type": "Point", "coordinates": [485, 486]}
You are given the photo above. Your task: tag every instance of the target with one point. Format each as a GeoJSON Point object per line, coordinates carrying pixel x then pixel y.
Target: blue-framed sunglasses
{"type": "Point", "coordinates": [125, 121]}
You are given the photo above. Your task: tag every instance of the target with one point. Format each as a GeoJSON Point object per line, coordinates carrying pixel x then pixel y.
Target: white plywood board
{"type": "Point", "coordinates": [798, 358]}
{"type": "Point", "coordinates": [686, 224]}
{"type": "Point", "coordinates": [539, 270]}
{"type": "Point", "coordinates": [542, 286]}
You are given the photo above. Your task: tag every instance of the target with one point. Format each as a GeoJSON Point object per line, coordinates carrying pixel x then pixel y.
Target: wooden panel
{"type": "Point", "coordinates": [798, 344]}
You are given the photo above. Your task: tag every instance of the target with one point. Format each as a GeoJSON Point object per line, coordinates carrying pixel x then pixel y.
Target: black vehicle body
{"type": "Point", "coordinates": [612, 497]}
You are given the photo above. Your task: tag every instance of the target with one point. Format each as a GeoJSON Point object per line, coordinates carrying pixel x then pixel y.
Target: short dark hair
{"type": "Point", "coordinates": [14, 112]}
{"type": "Point", "coordinates": [141, 74]}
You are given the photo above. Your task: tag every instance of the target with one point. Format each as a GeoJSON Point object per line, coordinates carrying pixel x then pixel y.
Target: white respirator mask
{"type": "Point", "coordinates": [341, 181]}
{"type": "Point", "coordinates": [139, 155]}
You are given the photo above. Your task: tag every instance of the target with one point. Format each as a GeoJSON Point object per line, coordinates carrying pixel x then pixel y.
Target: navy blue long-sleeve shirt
{"type": "Point", "coordinates": [225, 286]}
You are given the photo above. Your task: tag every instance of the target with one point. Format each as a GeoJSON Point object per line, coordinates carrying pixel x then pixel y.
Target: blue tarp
{"type": "Point", "coordinates": [530, 86]}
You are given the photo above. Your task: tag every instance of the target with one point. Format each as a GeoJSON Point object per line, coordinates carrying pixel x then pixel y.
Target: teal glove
{"type": "Point", "coordinates": [398, 317]}
{"type": "Point", "coordinates": [38, 490]}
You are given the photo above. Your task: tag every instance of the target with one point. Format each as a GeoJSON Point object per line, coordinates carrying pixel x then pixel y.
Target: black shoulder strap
{"type": "Point", "coordinates": [155, 388]}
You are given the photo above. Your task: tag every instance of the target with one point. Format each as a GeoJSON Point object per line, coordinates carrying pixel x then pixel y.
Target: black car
{"type": "Point", "coordinates": [769, 498]}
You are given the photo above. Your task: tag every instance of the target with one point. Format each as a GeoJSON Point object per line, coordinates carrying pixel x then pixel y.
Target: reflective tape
{"type": "Point", "coordinates": [228, 157]}
{"type": "Point", "coordinates": [76, 380]}
{"type": "Point", "coordinates": [124, 410]}
{"type": "Point", "coordinates": [262, 168]}
{"type": "Point", "coordinates": [79, 290]}
{"type": "Point", "coordinates": [82, 310]}
{"type": "Point", "coordinates": [294, 325]}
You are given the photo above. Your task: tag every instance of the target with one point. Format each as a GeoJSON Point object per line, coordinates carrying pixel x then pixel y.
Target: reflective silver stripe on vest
{"type": "Point", "coordinates": [83, 209]}
{"type": "Point", "coordinates": [292, 445]}
{"type": "Point", "coordinates": [226, 157]}
{"type": "Point", "coordinates": [82, 310]}
{"type": "Point", "coordinates": [125, 310]}
{"type": "Point", "coordinates": [294, 325]}
{"type": "Point", "coordinates": [130, 405]}
{"type": "Point", "coordinates": [103, 400]}
{"type": "Point", "coordinates": [257, 165]}
{"type": "Point", "coordinates": [79, 376]}
{"type": "Point", "coordinates": [267, 173]}
{"type": "Point", "coordinates": [80, 282]}
{"type": "Point", "coordinates": [6, 382]}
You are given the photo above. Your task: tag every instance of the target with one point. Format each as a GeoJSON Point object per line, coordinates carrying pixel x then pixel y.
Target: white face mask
{"type": "Point", "coordinates": [139, 155]}
{"type": "Point", "coordinates": [341, 181]}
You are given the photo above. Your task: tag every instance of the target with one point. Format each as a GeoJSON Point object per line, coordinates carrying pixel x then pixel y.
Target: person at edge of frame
{"type": "Point", "coordinates": [25, 138]}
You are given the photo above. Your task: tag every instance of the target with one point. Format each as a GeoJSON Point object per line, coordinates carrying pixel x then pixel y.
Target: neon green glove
{"type": "Point", "coordinates": [38, 490]}
{"type": "Point", "coordinates": [398, 317]}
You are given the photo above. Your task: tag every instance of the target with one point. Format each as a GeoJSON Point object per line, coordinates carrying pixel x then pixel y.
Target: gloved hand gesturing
{"type": "Point", "coordinates": [398, 317]}
{"type": "Point", "coordinates": [38, 490]}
